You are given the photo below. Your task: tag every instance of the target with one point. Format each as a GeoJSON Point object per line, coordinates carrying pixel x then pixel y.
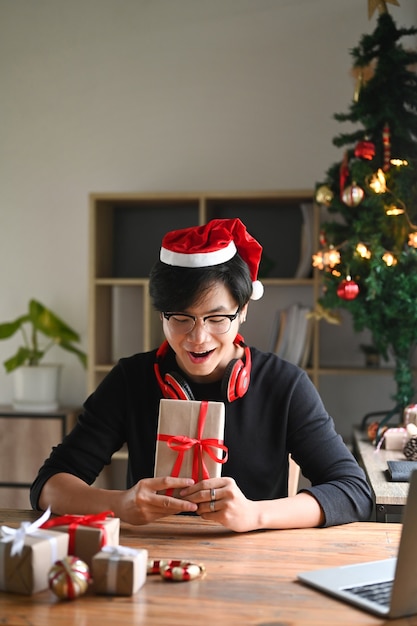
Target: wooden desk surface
{"type": "Point", "coordinates": [250, 578]}
{"type": "Point", "coordinates": [374, 463]}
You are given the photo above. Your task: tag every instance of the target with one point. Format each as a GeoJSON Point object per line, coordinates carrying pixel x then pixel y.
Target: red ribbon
{"type": "Point", "coordinates": [182, 444]}
{"type": "Point", "coordinates": [343, 172]}
{"type": "Point", "coordinates": [73, 521]}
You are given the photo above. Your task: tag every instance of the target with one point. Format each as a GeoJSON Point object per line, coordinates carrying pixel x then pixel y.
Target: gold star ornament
{"type": "Point", "coordinates": [381, 5]}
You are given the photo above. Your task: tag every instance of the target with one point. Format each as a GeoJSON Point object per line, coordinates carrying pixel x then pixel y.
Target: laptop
{"type": "Point", "coordinates": [387, 587]}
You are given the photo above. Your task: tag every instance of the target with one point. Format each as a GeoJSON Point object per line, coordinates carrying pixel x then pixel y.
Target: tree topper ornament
{"type": "Point", "coordinates": [381, 5]}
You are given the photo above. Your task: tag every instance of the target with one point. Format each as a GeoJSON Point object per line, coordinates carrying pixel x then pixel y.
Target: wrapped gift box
{"type": "Point", "coordinates": [410, 414]}
{"type": "Point", "coordinates": [88, 534]}
{"type": "Point", "coordinates": [26, 571]}
{"type": "Point", "coordinates": [190, 440]}
{"type": "Point", "coordinates": [119, 570]}
{"type": "Point", "coordinates": [395, 438]}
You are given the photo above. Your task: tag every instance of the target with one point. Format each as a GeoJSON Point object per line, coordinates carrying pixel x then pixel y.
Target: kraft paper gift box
{"type": "Point", "coordinates": [190, 440]}
{"type": "Point", "coordinates": [119, 570]}
{"type": "Point", "coordinates": [88, 534]}
{"type": "Point", "coordinates": [410, 414]}
{"type": "Point", "coordinates": [395, 438]}
{"type": "Point", "coordinates": [27, 554]}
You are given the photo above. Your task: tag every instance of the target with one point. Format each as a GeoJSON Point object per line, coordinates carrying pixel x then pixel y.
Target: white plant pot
{"type": "Point", "coordinates": [36, 388]}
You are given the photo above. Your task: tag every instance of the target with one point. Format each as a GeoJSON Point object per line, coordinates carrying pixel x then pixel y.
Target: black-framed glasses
{"type": "Point", "coordinates": [182, 323]}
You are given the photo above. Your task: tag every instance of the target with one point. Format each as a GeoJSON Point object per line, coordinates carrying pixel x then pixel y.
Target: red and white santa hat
{"type": "Point", "coordinates": [211, 244]}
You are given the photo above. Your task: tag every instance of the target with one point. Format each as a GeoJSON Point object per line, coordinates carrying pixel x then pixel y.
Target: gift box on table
{"type": "Point", "coordinates": [190, 440]}
{"type": "Point", "coordinates": [119, 570]}
{"type": "Point", "coordinates": [88, 534]}
{"type": "Point", "coordinates": [26, 555]}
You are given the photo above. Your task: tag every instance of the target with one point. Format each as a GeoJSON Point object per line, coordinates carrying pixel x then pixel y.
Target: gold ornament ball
{"type": "Point", "coordinates": [353, 195]}
{"type": "Point", "coordinates": [69, 578]}
{"type": "Point", "coordinates": [324, 195]}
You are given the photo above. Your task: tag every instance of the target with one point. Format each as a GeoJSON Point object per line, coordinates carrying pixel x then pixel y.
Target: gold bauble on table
{"type": "Point", "coordinates": [69, 578]}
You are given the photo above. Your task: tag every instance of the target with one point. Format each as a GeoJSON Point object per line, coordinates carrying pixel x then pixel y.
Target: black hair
{"type": "Point", "coordinates": [175, 288]}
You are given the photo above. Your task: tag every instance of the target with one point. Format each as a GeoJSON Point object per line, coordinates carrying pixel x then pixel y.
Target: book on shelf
{"type": "Point", "coordinates": [293, 334]}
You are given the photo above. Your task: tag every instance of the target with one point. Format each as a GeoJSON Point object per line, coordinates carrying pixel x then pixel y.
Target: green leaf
{"type": "Point", "coordinates": [50, 324]}
{"type": "Point", "coordinates": [10, 328]}
{"type": "Point", "coordinates": [22, 356]}
{"type": "Point", "coordinates": [79, 353]}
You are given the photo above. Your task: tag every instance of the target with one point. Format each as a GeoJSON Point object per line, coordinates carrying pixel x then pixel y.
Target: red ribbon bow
{"type": "Point", "coordinates": [182, 443]}
{"type": "Point", "coordinates": [73, 521]}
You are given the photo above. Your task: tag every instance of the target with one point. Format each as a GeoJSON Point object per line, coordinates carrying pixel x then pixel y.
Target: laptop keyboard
{"type": "Point", "coordinates": [376, 592]}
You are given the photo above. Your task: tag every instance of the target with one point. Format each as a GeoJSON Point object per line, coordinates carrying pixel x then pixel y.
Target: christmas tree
{"type": "Point", "coordinates": [368, 253]}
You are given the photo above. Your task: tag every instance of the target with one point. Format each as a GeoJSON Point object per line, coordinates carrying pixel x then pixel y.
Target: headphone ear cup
{"type": "Point", "coordinates": [176, 387]}
{"type": "Point", "coordinates": [230, 377]}
{"type": "Point", "coordinates": [236, 378]}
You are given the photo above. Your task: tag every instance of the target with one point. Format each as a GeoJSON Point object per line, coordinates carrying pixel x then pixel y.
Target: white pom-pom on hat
{"type": "Point", "coordinates": [211, 244]}
{"type": "Point", "coordinates": [257, 290]}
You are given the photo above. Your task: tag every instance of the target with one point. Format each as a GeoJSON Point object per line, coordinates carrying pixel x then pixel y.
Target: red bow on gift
{"type": "Point", "coordinates": [73, 521]}
{"type": "Point", "coordinates": [182, 443]}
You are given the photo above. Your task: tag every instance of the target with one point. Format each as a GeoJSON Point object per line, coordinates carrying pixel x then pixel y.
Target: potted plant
{"type": "Point", "coordinates": [36, 383]}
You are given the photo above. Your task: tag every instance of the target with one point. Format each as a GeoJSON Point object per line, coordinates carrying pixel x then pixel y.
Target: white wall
{"type": "Point", "coordinates": [154, 95]}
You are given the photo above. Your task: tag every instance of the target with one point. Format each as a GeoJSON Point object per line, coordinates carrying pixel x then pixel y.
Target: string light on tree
{"type": "Point", "coordinates": [363, 251]}
{"type": "Point", "coordinates": [412, 240]}
{"type": "Point", "coordinates": [394, 210]}
{"type": "Point", "coordinates": [377, 182]}
{"type": "Point", "coordinates": [389, 259]}
{"type": "Point", "coordinates": [326, 258]}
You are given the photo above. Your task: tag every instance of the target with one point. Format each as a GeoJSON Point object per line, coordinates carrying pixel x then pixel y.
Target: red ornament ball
{"type": "Point", "coordinates": [69, 578]}
{"type": "Point", "coordinates": [348, 289]}
{"type": "Point", "coordinates": [365, 150]}
{"type": "Point", "coordinates": [353, 195]}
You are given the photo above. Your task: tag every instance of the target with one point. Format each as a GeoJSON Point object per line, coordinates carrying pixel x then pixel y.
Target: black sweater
{"type": "Point", "coordinates": [281, 413]}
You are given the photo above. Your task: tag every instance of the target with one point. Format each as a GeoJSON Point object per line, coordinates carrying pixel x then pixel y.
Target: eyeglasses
{"type": "Point", "coordinates": [182, 323]}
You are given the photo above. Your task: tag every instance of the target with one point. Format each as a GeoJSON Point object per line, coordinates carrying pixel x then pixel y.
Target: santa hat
{"type": "Point", "coordinates": [211, 244]}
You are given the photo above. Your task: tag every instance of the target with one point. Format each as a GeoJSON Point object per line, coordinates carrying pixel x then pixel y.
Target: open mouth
{"type": "Point", "coordinates": [200, 356]}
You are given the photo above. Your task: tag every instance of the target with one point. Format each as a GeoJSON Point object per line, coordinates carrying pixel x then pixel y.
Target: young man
{"type": "Point", "coordinates": [201, 286]}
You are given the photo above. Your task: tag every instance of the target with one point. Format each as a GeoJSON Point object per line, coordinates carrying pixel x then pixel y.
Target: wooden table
{"type": "Point", "coordinates": [250, 578]}
{"type": "Point", "coordinates": [389, 497]}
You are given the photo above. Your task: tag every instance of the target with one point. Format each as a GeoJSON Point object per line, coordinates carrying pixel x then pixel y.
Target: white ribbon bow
{"type": "Point", "coordinates": [17, 535]}
{"type": "Point", "coordinates": [118, 551]}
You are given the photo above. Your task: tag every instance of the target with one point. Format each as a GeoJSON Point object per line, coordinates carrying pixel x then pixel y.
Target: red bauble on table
{"type": "Point", "coordinates": [348, 289]}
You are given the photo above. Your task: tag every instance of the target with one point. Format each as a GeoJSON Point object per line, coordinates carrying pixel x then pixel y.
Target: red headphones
{"type": "Point", "coordinates": [234, 384]}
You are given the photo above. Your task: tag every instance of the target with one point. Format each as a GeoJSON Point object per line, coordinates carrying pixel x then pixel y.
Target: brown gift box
{"type": "Point", "coordinates": [27, 572]}
{"type": "Point", "coordinates": [86, 536]}
{"type": "Point", "coordinates": [119, 570]}
{"type": "Point", "coordinates": [190, 440]}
